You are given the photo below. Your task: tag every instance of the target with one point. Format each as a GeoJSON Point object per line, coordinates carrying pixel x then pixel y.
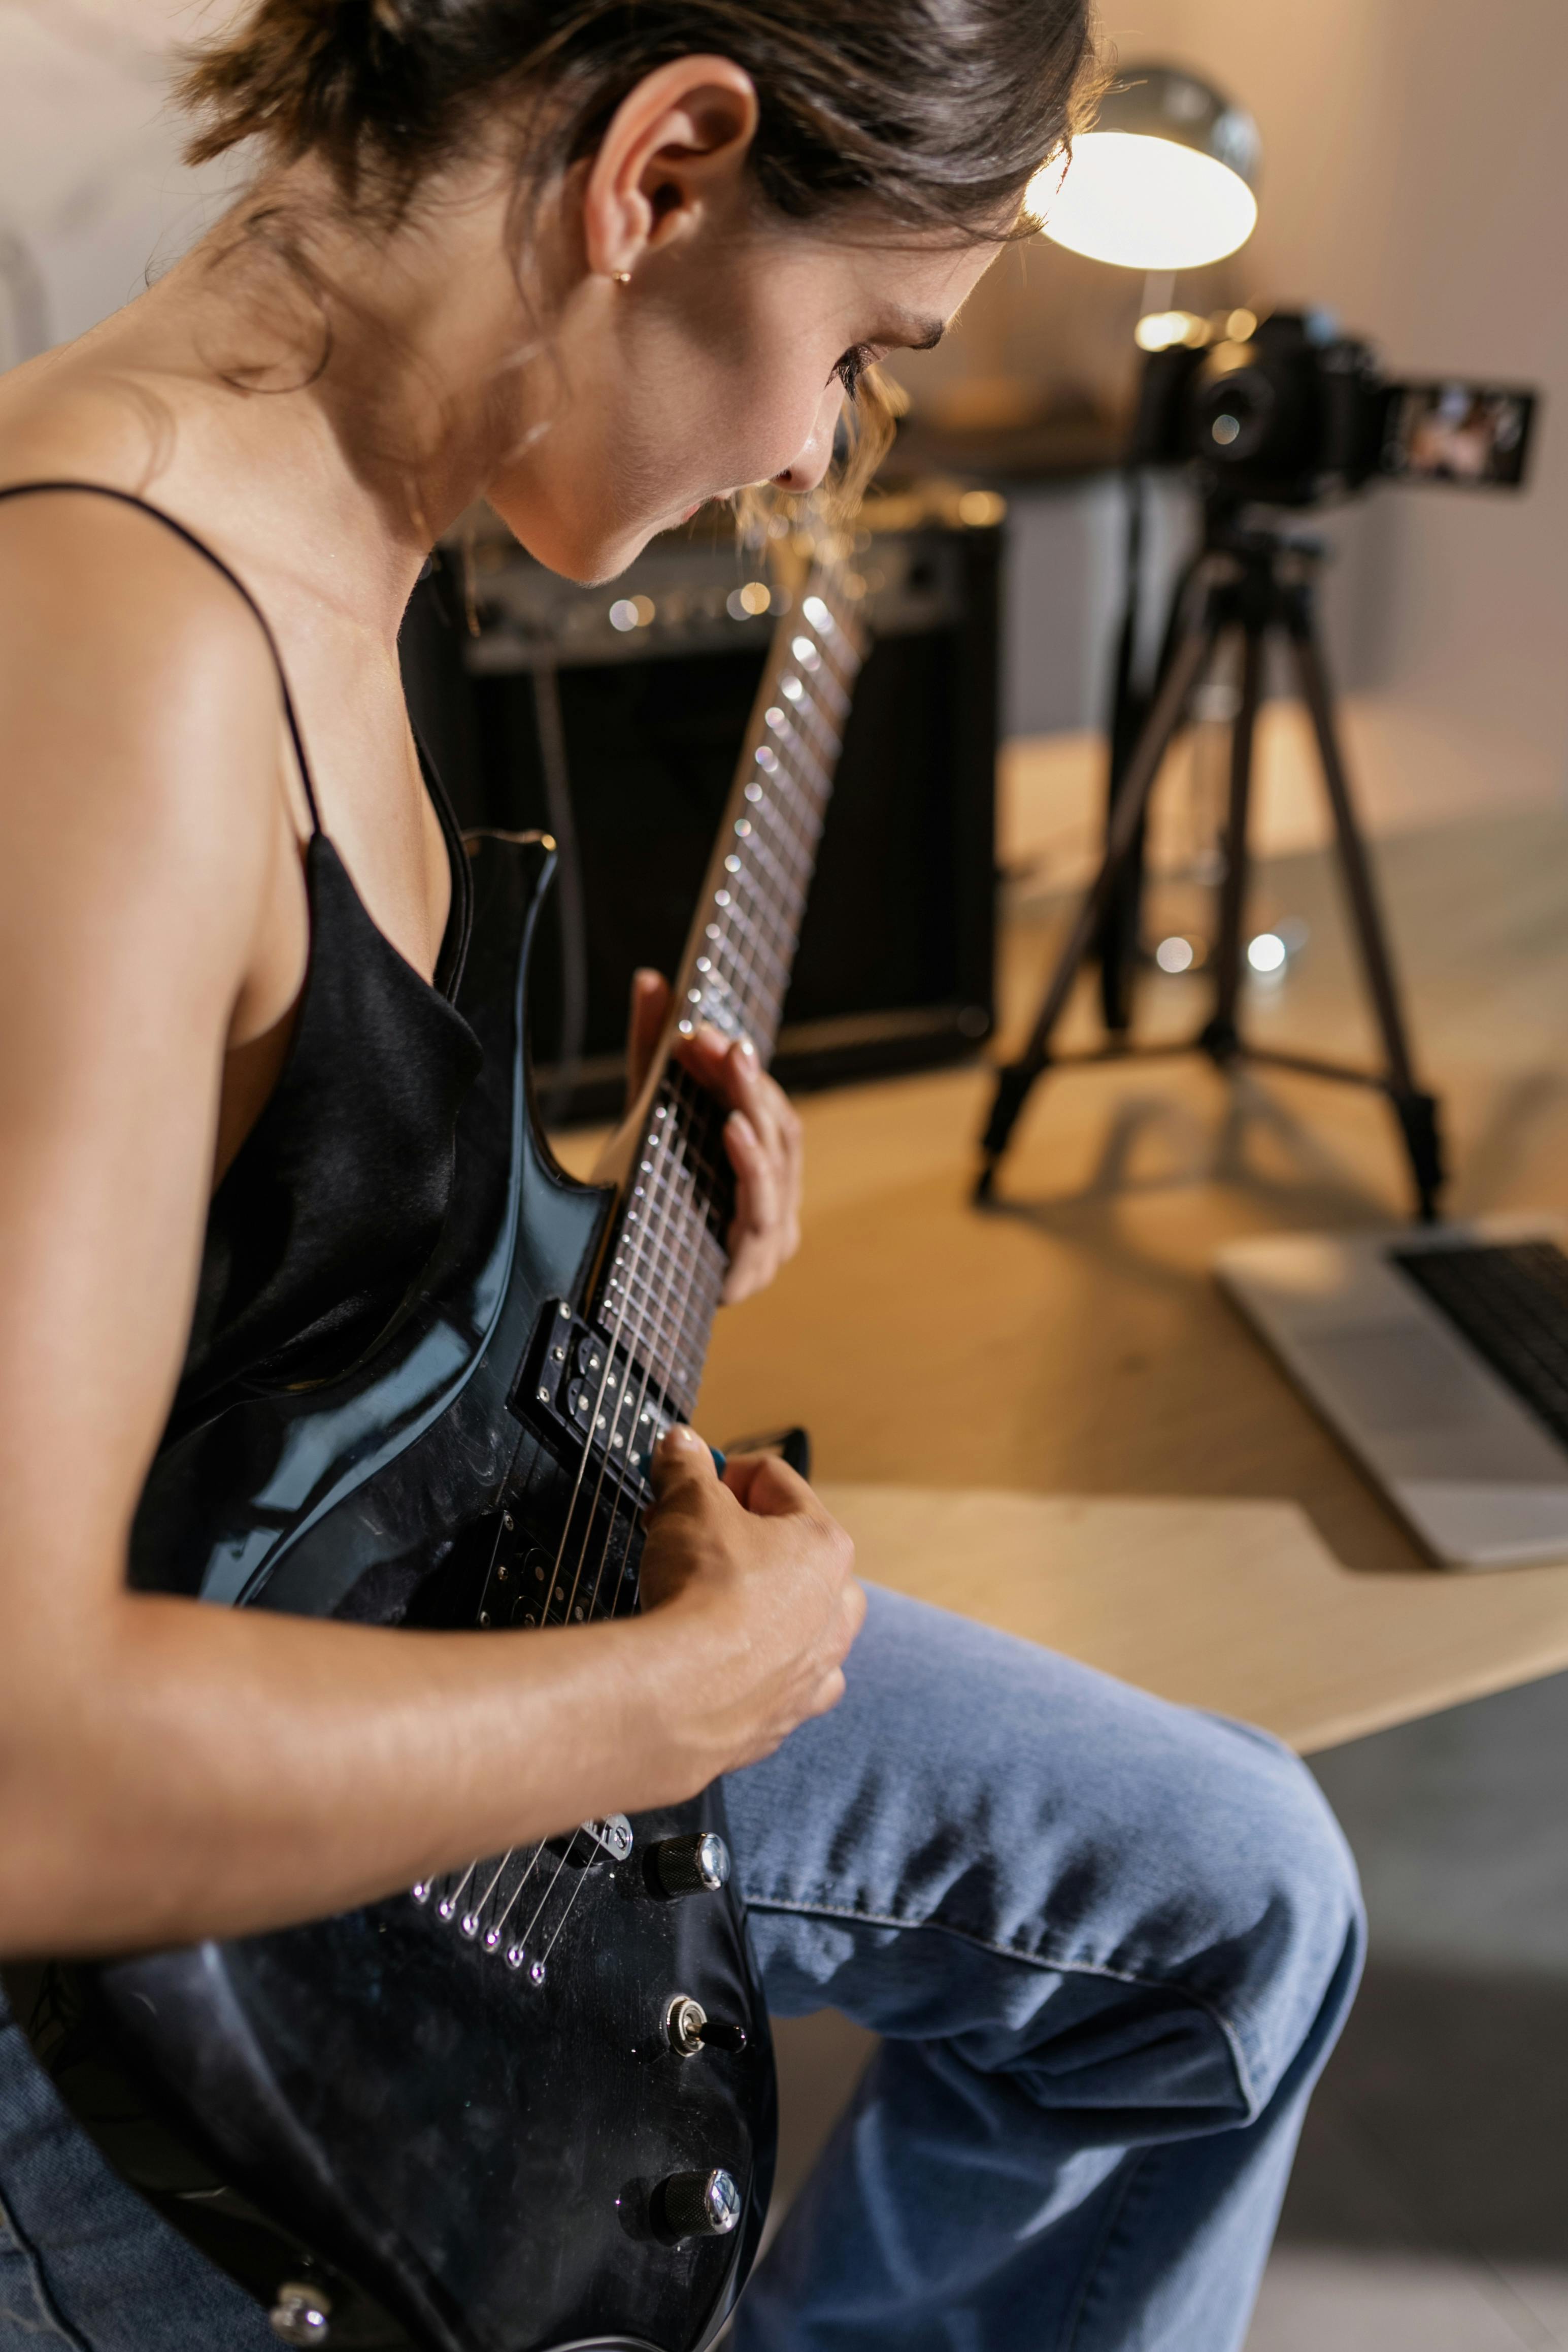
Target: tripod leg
{"type": "Point", "coordinates": [1014, 1082]}
{"type": "Point", "coordinates": [1416, 1110]}
{"type": "Point", "coordinates": [1219, 1039]}
{"type": "Point", "coordinates": [1117, 939]}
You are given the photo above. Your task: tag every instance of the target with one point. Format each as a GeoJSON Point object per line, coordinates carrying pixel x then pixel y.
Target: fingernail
{"type": "Point", "coordinates": [744, 1047]}
{"type": "Point", "coordinates": [680, 1437]}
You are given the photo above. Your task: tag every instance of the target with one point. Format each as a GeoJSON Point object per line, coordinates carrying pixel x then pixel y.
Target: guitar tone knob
{"type": "Point", "coordinates": [301, 2313]}
{"type": "Point", "coordinates": [700, 2204]}
{"type": "Point", "coordinates": [691, 1865]}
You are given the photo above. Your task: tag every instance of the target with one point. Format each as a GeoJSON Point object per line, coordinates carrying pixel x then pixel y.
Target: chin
{"type": "Point", "coordinates": [589, 558]}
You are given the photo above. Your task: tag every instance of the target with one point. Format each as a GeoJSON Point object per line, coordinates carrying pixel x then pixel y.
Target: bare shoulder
{"type": "Point", "coordinates": [137, 690]}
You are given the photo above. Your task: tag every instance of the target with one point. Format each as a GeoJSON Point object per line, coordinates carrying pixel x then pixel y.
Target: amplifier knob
{"type": "Point", "coordinates": [301, 2312]}
{"type": "Point", "coordinates": [691, 1865]}
{"type": "Point", "coordinates": [699, 2204]}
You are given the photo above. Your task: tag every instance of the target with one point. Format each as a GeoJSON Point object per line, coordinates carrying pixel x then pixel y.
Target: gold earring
{"type": "Point", "coordinates": [621, 278]}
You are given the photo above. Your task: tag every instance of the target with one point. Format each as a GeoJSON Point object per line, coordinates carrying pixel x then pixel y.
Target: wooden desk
{"type": "Point", "coordinates": [1239, 1607]}
{"type": "Point", "coordinates": [1160, 1500]}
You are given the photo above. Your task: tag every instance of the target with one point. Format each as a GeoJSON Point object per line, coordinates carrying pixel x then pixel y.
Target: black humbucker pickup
{"type": "Point", "coordinates": [582, 1386]}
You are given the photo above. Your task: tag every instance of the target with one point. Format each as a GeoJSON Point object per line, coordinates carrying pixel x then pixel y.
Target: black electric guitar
{"type": "Point", "coordinates": [529, 2106]}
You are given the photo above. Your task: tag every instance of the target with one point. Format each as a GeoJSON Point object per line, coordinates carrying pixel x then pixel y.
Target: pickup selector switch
{"type": "Point", "coordinates": [699, 2204]}
{"type": "Point", "coordinates": [691, 2029]}
{"type": "Point", "coordinates": [690, 1865]}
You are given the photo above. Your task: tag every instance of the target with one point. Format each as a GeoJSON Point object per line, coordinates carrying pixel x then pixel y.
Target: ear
{"type": "Point", "coordinates": [676, 145]}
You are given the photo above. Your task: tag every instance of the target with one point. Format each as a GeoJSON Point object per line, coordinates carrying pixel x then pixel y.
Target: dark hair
{"type": "Point", "coordinates": [937, 110]}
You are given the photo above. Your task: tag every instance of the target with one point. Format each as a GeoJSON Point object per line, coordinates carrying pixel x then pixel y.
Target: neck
{"type": "Point", "coordinates": [374, 381]}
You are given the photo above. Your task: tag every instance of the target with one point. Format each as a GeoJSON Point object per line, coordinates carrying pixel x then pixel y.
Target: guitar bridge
{"type": "Point", "coordinates": [582, 1386]}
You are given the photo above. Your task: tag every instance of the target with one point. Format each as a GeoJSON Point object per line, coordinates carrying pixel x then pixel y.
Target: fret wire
{"type": "Point", "coordinates": [769, 823]}
{"type": "Point", "coordinates": [794, 845]}
{"type": "Point", "coordinates": [728, 948]}
{"type": "Point", "coordinates": [786, 907]}
{"type": "Point", "coordinates": [768, 994]}
{"type": "Point", "coordinates": [647, 1357]}
{"type": "Point", "coordinates": [671, 1262]}
{"type": "Point", "coordinates": [840, 663]}
{"type": "Point", "coordinates": [818, 724]}
{"type": "Point", "coordinates": [779, 947]}
{"type": "Point", "coordinates": [783, 927]}
{"type": "Point", "coordinates": [782, 879]}
{"type": "Point", "coordinates": [801, 813]}
{"type": "Point", "coordinates": [668, 1255]}
{"type": "Point", "coordinates": [673, 1342]}
{"type": "Point", "coordinates": [669, 1339]}
{"type": "Point", "coordinates": [796, 880]}
{"type": "Point", "coordinates": [802, 843]}
{"type": "Point", "coordinates": [799, 711]}
{"type": "Point", "coordinates": [764, 917]}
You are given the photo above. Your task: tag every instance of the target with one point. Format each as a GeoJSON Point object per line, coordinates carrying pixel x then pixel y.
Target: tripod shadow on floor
{"type": "Point", "coordinates": [1256, 1145]}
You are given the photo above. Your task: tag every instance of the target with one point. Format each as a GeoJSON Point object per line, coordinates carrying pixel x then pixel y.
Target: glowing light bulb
{"type": "Point", "coordinates": [1143, 202]}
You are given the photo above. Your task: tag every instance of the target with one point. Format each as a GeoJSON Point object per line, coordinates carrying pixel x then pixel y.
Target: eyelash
{"type": "Point", "coordinates": [852, 366]}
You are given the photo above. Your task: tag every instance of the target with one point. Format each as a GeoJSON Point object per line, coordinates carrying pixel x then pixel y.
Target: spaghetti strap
{"type": "Point", "coordinates": [130, 499]}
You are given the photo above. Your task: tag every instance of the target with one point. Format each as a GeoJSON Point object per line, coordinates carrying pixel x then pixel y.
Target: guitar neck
{"type": "Point", "coordinates": [667, 1261]}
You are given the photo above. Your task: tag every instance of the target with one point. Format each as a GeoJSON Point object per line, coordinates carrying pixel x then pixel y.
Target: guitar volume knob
{"type": "Point", "coordinates": [699, 2204]}
{"type": "Point", "coordinates": [690, 1865]}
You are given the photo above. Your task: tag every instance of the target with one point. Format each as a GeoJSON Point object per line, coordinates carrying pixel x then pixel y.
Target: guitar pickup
{"type": "Point", "coordinates": [581, 1386]}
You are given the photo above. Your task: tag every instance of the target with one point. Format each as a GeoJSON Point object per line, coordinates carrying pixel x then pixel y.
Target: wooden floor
{"type": "Point", "coordinates": [1072, 1342]}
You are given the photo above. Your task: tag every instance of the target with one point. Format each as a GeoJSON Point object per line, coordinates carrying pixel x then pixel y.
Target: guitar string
{"type": "Point", "coordinates": [809, 788]}
{"type": "Point", "coordinates": [696, 1110]}
{"type": "Point", "coordinates": [517, 1950]}
{"type": "Point", "coordinates": [472, 1919]}
{"type": "Point", "coordinates": [666, 1179]}
{"type": "Point", "coordinates": [447, 1906]}
{"type": "Point", "coordinates": [699, 1113]}
{"type": "Point", "coordinates": [743, 969]}
{"type": "Point", "coordinates": [683, 1080]}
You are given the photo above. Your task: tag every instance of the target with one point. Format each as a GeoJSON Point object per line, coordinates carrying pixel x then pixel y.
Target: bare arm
{"type": "Point", "coordinates": [169, 1769]}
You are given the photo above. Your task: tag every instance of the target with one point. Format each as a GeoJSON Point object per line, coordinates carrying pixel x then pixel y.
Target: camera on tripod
{"type": "Point", "coordinates": [1290, 411]}
{"type": "Point", "coordinates": [1278, 412]}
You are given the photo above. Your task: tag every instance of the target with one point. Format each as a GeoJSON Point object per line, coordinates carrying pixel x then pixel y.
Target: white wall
{"type": "Point", "coordinates": [90, 181]}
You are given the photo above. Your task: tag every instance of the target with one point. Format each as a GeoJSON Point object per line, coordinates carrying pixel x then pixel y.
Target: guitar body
{"type": "Point", "coordinates": [450, 2115]}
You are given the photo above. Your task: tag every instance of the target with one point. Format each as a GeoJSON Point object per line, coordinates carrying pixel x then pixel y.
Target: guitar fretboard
{"type": "Point", "coordinates": [667, 1261]}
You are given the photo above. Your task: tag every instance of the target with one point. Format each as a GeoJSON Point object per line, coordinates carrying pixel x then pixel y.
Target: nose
{"type": "Point", "coordinates": [807, 468]}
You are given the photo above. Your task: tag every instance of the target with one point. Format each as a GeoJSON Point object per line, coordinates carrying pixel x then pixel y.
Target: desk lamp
{"type": "Point", "coordinates": [1163, 181]}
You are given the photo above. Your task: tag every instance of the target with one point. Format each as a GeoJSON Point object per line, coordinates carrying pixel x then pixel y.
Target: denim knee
{"type": "Point", "coordinates": [1287, 1925]}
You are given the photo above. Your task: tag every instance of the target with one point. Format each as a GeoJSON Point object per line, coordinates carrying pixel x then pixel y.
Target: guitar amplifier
{"type": "Point", "coordinates": [612, 717]}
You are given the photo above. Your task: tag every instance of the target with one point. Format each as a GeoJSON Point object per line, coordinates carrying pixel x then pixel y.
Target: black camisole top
{"type": "Point", "coordinates": [334, 1202]}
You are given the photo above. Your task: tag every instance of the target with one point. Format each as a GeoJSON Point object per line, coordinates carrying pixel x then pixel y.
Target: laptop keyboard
{"type": "Point", "coordinates": [1510, 1301]}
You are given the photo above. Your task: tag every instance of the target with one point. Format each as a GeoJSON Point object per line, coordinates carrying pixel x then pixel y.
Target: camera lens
{"type": "Point", "coordinates": [1234, 415]}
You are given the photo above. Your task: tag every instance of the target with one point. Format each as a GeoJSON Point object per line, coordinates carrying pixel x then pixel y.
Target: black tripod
{"type": "Point", "coordinates": [1252, 582]}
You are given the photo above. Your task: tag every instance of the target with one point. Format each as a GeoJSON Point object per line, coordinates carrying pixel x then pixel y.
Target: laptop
{"type": "Point", "coordinates": [1439, 1355]}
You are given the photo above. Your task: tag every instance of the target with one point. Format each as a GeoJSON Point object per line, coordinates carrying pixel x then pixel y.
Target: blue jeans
{"type": "Point", "coordinates": [1109, 1943]}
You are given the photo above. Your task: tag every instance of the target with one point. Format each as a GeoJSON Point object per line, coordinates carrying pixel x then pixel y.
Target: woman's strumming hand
{"type": "Point", "coordinates": [759, 1579]}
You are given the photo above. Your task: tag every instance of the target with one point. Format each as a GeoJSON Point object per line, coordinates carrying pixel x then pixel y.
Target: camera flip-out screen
{"type": "Point", "coordinates": [1457, 433]}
